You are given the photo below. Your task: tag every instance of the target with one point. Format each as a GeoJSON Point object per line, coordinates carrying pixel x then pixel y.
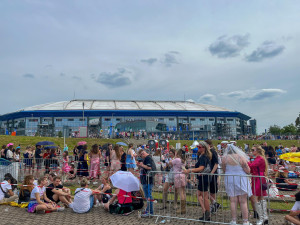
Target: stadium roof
{"type": "Point", "coordinates": [96, 108]}
{"type": "Point", "coordinates": [125, 105]}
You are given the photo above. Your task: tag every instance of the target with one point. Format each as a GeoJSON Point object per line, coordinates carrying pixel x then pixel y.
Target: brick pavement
{"type": "Point", "coordinates": [17, 216]}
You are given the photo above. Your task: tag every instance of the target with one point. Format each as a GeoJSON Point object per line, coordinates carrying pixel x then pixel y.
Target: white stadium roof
{"type": "Point", "coordinates": [125, 105]}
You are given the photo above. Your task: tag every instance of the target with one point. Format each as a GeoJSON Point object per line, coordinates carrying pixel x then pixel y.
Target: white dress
{"type": "Point", "coordinates": [236, 182]}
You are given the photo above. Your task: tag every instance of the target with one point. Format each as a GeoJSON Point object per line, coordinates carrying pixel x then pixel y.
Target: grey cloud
{"type": "Point", "coordinates": [76, 78]}
{"type": "Point", "coordinates": [225, 47]}
{"type": "Point", "coordinates": [48, 66]}
{"type": "Point", "coordinates": [254, 95]}
{"type": "Point", "coordinates": [268, 49]}
{"type": "Point", "coordinates": [28, 75]}
{"type": "Point", "coordinates": [149, 61]}
{"type": "Point", "coordinates": [207, 98]}
{"type": "Point", "coordinates": [170, 58]}
{"type": "Point", "coordinates": [116, 79]}
{"type": "Point", "coordinates": [62, 74]}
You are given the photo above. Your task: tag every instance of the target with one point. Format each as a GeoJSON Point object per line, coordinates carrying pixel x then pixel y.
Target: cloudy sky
{"type": "Point", "coordinates": [242, 55]}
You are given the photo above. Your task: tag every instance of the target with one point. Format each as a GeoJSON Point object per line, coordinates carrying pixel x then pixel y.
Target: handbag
{"type": "Point", "coordinates": [264, 184]}
{"type": "Point", "coordinates": [6, 195]}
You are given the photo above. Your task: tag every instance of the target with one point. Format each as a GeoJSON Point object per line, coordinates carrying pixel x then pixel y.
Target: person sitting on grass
{"type": "Point", "coordinates": [38, 196]}
{"type": "Point", "coordinates": [6, 189]}
{"type": "Point", "coordinates": [56, 192]}
{"type": "Point", "coordinates": [71, 175]}
{"type": "Point", "coordinates": [123, 205]}
{"type": "Point", "coordinates": [283, 183]}
{"type": "Point", "coordinates": [294, 216]}
{"type": "Point", "coordinates": [83, 198]}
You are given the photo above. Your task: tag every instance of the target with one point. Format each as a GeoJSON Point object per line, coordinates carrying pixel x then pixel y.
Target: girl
{"type": "Point", "coordinates": [94, 157]}
{"type": "Point", "coordinates": [37, 197]}
{"type": "Point", "coordinates": [203, 166]}
{"type": "Point", "coordinates": [28, 159]}
{"type": "Point", "coordinates": [259, 167]}
{"type": "Point", "coordinates": [179, 178]}
{"type": "Point", "coordinates": [122, 159]}
{"type": "Point", "coordinates": [65, 168]}
{"type": "Point", "coordinates": [82, 170]}
{"type": "Point", "coordinates": [105, 189]}
{"type": "Point", "coordinates": [17, 154]}
{"type": "Point", "coordinates": [115, 159]}
{"type": "Point", "coordinates": [26, 189]}
{"type": "Point", "coordinates": [237, 185]}
{"type": "Point", "coordinates": [130, 158]}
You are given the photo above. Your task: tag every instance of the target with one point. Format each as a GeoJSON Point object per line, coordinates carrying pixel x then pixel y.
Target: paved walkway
{"type": "Point", "coordinates": [17, 216]}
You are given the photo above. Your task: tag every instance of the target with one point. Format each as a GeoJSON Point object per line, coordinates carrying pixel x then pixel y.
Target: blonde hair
{"type": "Point", "coordinates": [207, 149]}
{"type": "Point", "coordinates": [261, 152]}
{"type": "Point", "coordinates": [83, 182]}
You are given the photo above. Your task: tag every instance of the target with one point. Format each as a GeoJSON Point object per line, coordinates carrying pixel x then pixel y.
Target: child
{"type": "Point", "coordinates": [294, 216]}
{"type": "Point", "coordinates": [65, 168]}
{"type": "Point", "coordinates": [72, 172]}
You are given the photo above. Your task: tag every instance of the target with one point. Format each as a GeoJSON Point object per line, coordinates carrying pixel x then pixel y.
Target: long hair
{"type": "Point", "coordinates": [207, 151]}
{"type": "Point", "coordinates": [27, 182]}
{"type": "Point", "coordinates": [261, 152]}
{"type": "Point", "coordinates": [181, 154]}
{"type": "Point", "coordinates": [117, 150]}
{"type": "Point", "coordinates": [95, 149]}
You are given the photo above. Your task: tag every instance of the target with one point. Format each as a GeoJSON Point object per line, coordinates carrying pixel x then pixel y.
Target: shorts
{"type": "Point", "coordinates": [169, 178]}
{"type": "Point", "coordinates": [213, 186]}
{"type": "Point", "coordinates": [203, 183]}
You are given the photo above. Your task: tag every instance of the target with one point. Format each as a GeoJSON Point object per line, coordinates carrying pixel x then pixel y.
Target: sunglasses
{"type": "Point", "coordinates": [253, 149]}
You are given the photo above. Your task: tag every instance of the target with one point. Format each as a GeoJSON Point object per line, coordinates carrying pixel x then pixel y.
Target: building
{"type": "Point", "coordinates": [252, 130]}
{"type": "Point", "coordinates": [113, 116]}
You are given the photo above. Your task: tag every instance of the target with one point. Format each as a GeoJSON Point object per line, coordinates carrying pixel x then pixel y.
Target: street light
{"type": "Point", "coordinates": [112, 127]}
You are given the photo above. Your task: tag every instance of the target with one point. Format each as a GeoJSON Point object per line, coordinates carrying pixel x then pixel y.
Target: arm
{"type": "Point", "coordinates": [85, 157]}
{"type": "Point", "coordinates": [114, 197]}
{"type": "Point", "coordinates": [214, 168]}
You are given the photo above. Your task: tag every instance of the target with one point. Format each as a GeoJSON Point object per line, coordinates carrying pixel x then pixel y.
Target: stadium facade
{"type": "Point", "coordinates": [113, 116]}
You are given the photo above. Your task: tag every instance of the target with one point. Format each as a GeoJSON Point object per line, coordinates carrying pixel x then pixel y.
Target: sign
{"type": "Point", "coordinates": [82, 132]}
{"type": "Point", "coordinates": [178, 145]}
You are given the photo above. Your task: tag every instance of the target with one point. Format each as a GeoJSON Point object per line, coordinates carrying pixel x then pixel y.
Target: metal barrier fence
{"type": "Point", "coordinates": [194, 199]}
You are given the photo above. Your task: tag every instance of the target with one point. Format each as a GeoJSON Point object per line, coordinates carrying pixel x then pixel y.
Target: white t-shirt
{"type": "Point", "coordinates": [37, 189]}
{"type": "Point", "coordinates": [9, 154]}
{"type": "Point", "coordinates": [219, 147]}
{"type": "Point", "coordinates": [5, 186]}
{"type": "Point", "coordinates": [81, 203]}
{"type": "Point", "coordinates": [296, 206]}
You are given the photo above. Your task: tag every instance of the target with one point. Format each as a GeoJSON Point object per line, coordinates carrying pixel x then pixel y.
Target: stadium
{"type": "Point", "coordinates": [109, 117]}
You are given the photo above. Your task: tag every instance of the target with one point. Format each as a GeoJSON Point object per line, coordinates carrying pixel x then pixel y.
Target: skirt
{"type": "Point", "coordinates": [32, 205]}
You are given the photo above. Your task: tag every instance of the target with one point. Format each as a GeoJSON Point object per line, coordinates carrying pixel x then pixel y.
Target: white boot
{"type": "Point", "coordinates": [259, 210]}
{"type": "Point", "coordinates": [265, 211]}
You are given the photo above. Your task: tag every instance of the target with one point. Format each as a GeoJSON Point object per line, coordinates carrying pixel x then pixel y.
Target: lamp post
{"type": "Point", "coordinates": [112, 127]}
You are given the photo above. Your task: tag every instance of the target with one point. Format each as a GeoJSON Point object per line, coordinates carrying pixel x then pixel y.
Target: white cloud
{"type": "Point", "coordinates": [207, 98]}
{"type": "Point", "coordinates": [254, 95]}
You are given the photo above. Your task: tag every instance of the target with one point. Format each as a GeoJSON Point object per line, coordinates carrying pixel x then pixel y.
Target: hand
{"type": "Point", "coordinates": [186, 171]}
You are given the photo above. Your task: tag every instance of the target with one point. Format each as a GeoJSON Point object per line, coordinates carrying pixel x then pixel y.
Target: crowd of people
{"type": "Point", "coordinates": [245, 173]}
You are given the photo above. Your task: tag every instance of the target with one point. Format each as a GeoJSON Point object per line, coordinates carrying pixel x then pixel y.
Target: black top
{"type": "Point", "coordinates": [123, 162]}
{"type": "Point", "coordinates": [144, 173]}
{"type": "Point", "coordinates": [49, 191]}
{"type": "Point", "coordinates": [37, 153]}
{"type": "Point", "coordinates": [203, 160]}
{"type": "Point", "coordinates": [214, 159]}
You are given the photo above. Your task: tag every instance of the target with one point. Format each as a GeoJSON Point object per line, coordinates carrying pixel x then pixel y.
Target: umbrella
{"type": "Point", "coordinates": [121, 143]}
{"type": "Point", "coordinates": [125, 180]}
{"type": "Point", "coordinates": [291, 157]}
{"type": "Point", "coordinates": [45, 143]}
{"type": "Point", "coordinates": [194, 145]}
{"type": "Point", "coordinates": [9, 144]}
{"type": "Point", "coordinates": [81, 143]}
{"type": "Point", "coordinates": [50, 147]}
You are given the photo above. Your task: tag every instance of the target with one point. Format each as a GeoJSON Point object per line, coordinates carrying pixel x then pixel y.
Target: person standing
{"type": "Point", "coordinates": [259, 167]}
{"type": "Point", "coordinates": [38, 154]}
{"type": "Point", "coordinates": [130, 160]}
{"type": "Point", "coordinates": [147, 180]}
{"type": "Point", "coordinates": [237, 184]}
{"type": "Point", "coordinates": [94, 157]}
{"type": "Point", "coordinates": [115, 158]}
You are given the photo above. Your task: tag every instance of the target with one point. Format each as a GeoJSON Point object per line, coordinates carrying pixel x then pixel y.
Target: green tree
{"type": "Point", "coordinates": [275, 129]}
{"type": "Point", "coordinates": [60, 134]}
{"type": "Point", "coordinates": [289, 129]}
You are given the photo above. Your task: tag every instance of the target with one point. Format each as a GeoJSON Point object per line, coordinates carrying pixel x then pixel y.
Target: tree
{"type": "Point", "coordinates": [275, 129]}
{"type": "Point", "coordinates": [289, 129]}
{"type": "Point", "coordinates": [60, 134]}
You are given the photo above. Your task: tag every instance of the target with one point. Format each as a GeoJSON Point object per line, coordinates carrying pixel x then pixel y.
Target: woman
{"type": "Point", "coordinates": [271, 157]}
{"type": "Point", "coordinates": [3, 151]}
{"type": "Point", "coordinates": [168, 178]}
{"type": "Point", "coordinates": [28, 159]}
{"type": "Point", "coordinates": [94, 157]}
{"type": "Point", "coordinates": [259, 167]}
{"type": "Point", "coordinates": [37, 197]}
{"type": "Point", "coordinates": [105, 189]}
{"type": "Point", "coordinates": [17, 154]}
{"type": "Point", "coordinates": [123, 205]}
{"type": "Point", "coordinates": [115, 159]}
{"type": "Point", "coordinates": [82, 170]}
{"type": "Point", "coordinates": [283, 183]}
{"type": "Point", "coordinates": [130, 158]}
{"type": "Point", "coordinates": [26, 188]}
{"type": "Point", "coordinates": [53, 160]}
{"type": "Point", "coordinates": [179, 179]}
{"type": "Point", "coordinates": [203, 168]}
{"type": "Point", "coordinates": [237, 185]}
{"type": "Point", "coordinates": [123, 159]}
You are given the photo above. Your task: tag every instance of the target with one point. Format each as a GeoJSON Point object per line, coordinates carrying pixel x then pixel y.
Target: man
{"type": "Point", "coordinates": [213, 186]}
{"type": "Point", "coordinates": [146, 179]}
{"type": "Point", "coordinates": [6, 193]}
{"type": "Point", "coordinates": [56, 192]}
{"type": "Point", "coordinates": [107, 156]}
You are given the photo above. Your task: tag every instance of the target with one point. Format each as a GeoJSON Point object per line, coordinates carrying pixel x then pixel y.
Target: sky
{"type": "Point", "coordinates": [241, 55]}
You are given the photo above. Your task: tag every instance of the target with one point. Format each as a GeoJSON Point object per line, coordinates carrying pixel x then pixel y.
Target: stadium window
{"type": "Point", "coordinates": [193, 119]}
{"type": "Point", "coordinates": [106, 119]}
{"type": "Point", "coordinates": [33, 120]}
{"type": "Point", "coordinates": [58, 120]}
{"type": "Point", "coordinates": [81, 119]}
{"type": "Point", "coordinates": [70, 119]}
{"type": "Point", "coordinates": [229, 119]}
{"type": "Point", "coordinates": [211, 119]}
{"type": "Point", "coordinates": [202, 119]}
{"type": "Point", "coordinates": [118, 119]}
{"type": "Point", "coordinates": [171, 119]}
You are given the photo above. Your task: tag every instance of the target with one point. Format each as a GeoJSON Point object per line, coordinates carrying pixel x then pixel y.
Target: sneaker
{"type": "Point", "coordinates": [212, 208]}
{"type": "Point", "coordinates": [216, 207]}
{"type": "Point", "coordinates": [60, 209]}
{"type": "Point", "coordinates": [145, 215]}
